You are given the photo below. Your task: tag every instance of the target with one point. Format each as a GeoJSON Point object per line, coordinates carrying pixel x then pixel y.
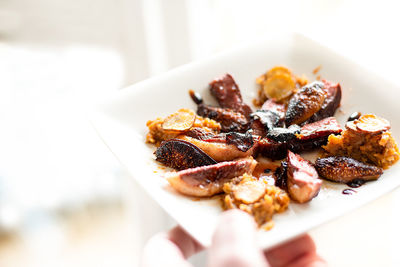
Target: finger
{"type": "Point", "coordinates": [170, 249]}
{"type": "Point", "coordinates": [234, 242]}
{"type": "Point", "coordinates": [185, 242]}
{"type": "Point", "coordinates": [300, 250]}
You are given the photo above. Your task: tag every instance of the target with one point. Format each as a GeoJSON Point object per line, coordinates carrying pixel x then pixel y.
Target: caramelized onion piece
{"type": "Point", "coordinates": [370, 123]}
{"type": "Point", "coordinates": [345, 169]}
{"type": "Point", "coordinates": [180, 155]}
{"type": "Point", "coordinates": [279, 86]}
{"type": "Point", "coordinates": [179, 121]}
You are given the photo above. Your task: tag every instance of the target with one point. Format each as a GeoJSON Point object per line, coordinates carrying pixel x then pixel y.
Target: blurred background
{"type": "Point", "coordinates": [64, 198]}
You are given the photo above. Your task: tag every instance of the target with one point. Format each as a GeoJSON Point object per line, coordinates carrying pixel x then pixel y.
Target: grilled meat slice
{"type": "Point", "coordinates": [305, 103]}
{"type": "Point", "coordinates": [284, 134]}
{"type": "Point", "coordinates": [207, 181]}
{"type": "Point", "coordinates": [269, 119]}
{"type": "Point", "coordinates": [345, 169]}
{"type": "Point", "coordinates": [228, 95]}
{"type": "Point", "coordinates": [180, 155]}
{"type": "Point", "coordinates": [218, 149]}
{"type": "Point", "coordinates": [278, 108]}
{"type": "Point", "coordinates": [331, 102]}
{"type": "Point", "coordinates": [314, 135]}
{"type": "Point", "coordinates": [302, 179]}
{"type": "Point", "coordinates": [320, 128]}
{"type": "Point", "coordinates": [272, 149]}
{"type": "Point", "coordinates": [230, 120]}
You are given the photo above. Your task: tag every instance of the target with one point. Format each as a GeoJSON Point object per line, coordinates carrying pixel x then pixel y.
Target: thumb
{"type": "Point", "coordinates": [234, 242]}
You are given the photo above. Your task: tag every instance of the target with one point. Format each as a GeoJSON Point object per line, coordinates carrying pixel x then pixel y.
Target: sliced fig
{"type": "Point", "coordinates": [230, 120]}
{"type": "Point", "coordinates": [179, 121]}
{"type": "Point", "coordinates": [302, 179]}
{"type": "Point", "coordinates": [331, 102]}
{"type": "Point", "coordinates": [370, 123]}
{"type": "Point", "coordinates": [207, 181]}
{"type": "Point", "coordinates": [284, 134]}
{"type": "Point", "coordinates": [344, 169]}
{"type": "Point", "coordinates": [228, 95]}
{"type": "Point", "coordinates": [219, 150]}
{"type": "Point", "coordinates": [305, 103]}
{"type": "Point", "coordinates": [180, 155]}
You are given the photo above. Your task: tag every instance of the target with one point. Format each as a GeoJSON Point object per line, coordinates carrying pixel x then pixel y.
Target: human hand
{"type": "Point", "coordinates": [233, 245]}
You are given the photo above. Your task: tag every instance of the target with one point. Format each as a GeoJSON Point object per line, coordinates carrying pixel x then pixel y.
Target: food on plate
{"type": "Point", "coordinates": [344, 169]}
{"type": "Point", "coordinates": [218, 149]}
{"type": "Point", "coordinates": [214, 151]}
{"type": "Point", "coordinates": [278, 84]}
{"type": "Point", "coordinates": [303, 182]}
{"type": "Point", "coordinates": [180, 121]}
{"type": "Point", "coordinates": [180, 155]}
{"type": "Point", "coordinates": [157, 133]}
{"type": "Point", "coordinates": [256, 197]}
{"type": "Point", "coordinates": [228, 95]}
{"type": "Point", "coordinates": [366, 139]}
{"type": "Point", "coordinates": [305, 103]}
{"type": "Point", "coordinates": [229, 119]}
{"type": "Point", "coordinates": [331, 103]}
{"type": "Point", "coordinates": [209, 180]}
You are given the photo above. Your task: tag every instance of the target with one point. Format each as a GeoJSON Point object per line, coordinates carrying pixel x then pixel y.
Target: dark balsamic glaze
{"type": "Point", "coordinates": [354, 116]}
{"type": "Point", "coordinates": [349, 191]}
{"type": "Point", "coordinates": [356, 183]}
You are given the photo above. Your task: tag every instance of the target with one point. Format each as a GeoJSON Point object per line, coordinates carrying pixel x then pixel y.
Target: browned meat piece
{"type": "Point", "coordinates": [302, 179]}
{"type": "Point", "coordinates": [345, 170]}
{"type": "Point", "coordinates": [228, 95]}
{"type": "Point", "coordinates": [218, 149]}
{"type": "Point", "coordinates": [272, 149]}
{"type": "Point", "coordinates": [269, 119]}
{"type": "Point", "coordinates": [331, 102]}
{"type": "Point", "coordinates": [278, 108]}
{"type": "Point", "coordinates": [314, 135]}
{"type": "Point", "coordinates": [258, 128]}
{"type": "Point", "coordinates": [230, 120]}
{"type": "Point", "coordinates": [243, 142]}
{"type": "Point", "coordinates": [281, 175]}
{"type": "Point", "coordinates": [207, 181]}
{"type": "Point", "coordinates": [320, 128]}
{"type": "Point", "coordinates": [284, 135]}
{"type": "Point", "coordinates": [199, 133]}
{"type": "Point", "coordinates": [305, 103]}
{"type": "Point", "coordinates": [180, 155]}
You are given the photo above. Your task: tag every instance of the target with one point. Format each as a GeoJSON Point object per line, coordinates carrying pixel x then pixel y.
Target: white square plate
{"type": "Point", "coordinates": [121, 122]}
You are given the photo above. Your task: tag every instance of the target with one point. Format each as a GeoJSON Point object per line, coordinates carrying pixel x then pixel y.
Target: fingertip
{"type": "Point", "coordinates": [184, 241]}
